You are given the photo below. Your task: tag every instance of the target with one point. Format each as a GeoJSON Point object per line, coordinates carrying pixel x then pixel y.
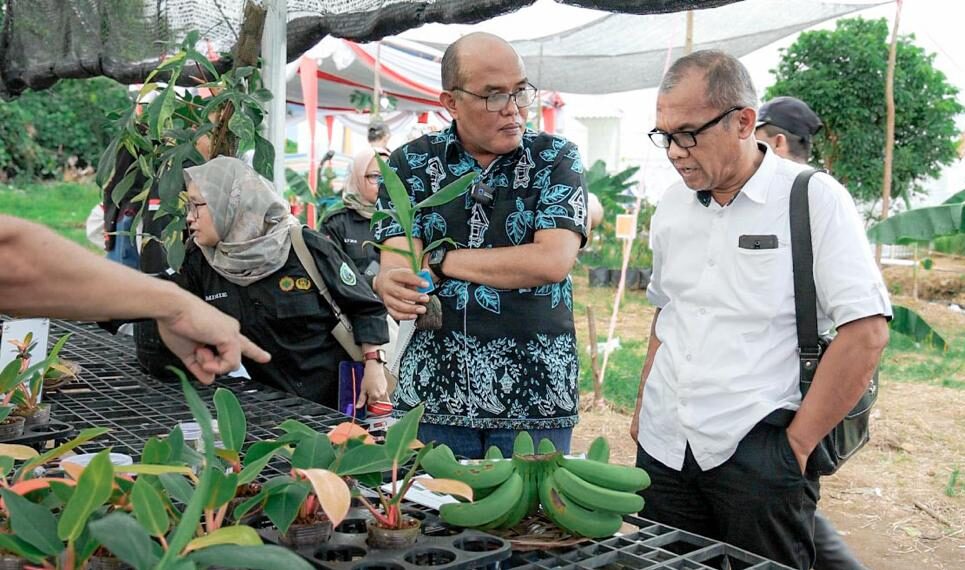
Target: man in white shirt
{"type": "Point", "coordinates": [722, 363]}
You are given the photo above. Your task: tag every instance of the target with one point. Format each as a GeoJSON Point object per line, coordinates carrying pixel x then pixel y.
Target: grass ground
{"type": "Point", "coordinates": [63, 206]}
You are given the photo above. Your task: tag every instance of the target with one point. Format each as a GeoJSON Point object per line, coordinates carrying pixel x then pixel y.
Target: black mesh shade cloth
{"type": "Point", "coordinates": [47, 40]}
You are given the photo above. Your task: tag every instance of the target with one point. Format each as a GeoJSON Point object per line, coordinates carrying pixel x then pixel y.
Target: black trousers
{"type": "Point", "coordinates": [756, 500]}
{"type": "Point", "coordinates": [832, 552]}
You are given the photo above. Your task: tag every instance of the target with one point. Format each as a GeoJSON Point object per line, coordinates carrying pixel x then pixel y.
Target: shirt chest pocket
{"type": "Point", "coordinates": [762, 277]}
{"type": "Point", "coordinates": [296, 316]}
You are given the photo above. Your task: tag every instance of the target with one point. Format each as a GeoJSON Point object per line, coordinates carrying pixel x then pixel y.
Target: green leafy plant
{"type": "Point", "coordinates": [403, 211]}
{"type": "Point", "coordinates": [187, 544]}
{"type": "Point", "coordinates": [165, 136]}
{"type": "Point", "coordinates": [21, 384]}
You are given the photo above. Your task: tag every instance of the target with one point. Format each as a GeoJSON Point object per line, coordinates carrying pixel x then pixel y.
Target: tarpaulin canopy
{"type": "Point", "coordinates": [47, 40]}
{"type": "Point", "coordinates": [345, 68]}
{"type": "Point", "coordinates": [623, 52]}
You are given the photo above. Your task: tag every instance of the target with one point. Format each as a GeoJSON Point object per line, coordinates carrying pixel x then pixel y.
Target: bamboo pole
{"type": "Point", "coordinates": [889, 123]}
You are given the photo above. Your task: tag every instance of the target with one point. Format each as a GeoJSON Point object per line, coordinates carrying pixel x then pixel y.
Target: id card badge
{"type": "Point", "coordinates": [350, 387]}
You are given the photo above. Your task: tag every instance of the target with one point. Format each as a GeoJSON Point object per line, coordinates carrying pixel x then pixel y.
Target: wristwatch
{"type": "Point", "coordinates": [436, 257]}
{"type": "Point", "coordinates": [376, 355]}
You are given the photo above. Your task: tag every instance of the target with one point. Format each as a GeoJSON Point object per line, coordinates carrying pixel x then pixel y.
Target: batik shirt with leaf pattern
{"type": "Point", "coordinates": [504, 358]}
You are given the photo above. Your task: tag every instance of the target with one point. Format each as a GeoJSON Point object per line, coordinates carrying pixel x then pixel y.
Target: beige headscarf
{"type": "Point", "coordinates": [352, 195]}
{"type": "Point", "coordinates": [251, 219]}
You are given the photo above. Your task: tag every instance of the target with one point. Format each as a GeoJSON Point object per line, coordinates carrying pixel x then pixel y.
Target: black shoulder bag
{"type": "Point", "coordinates": [850, 435]}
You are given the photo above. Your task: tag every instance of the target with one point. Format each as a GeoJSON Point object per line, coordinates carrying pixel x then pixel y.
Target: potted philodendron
{"type": "Point", "coordinates": [22, 384]}
{"type": "Point", "coordinates": [146, 541]}
{"type": "Point", "coordinates": [404, 212]}
{"type": "Point", "coordinates": [304, 505]}
{"type": "Point", "coordinates": [389, 527]}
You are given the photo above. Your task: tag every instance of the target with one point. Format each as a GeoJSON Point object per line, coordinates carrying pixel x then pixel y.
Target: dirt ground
{"type": "Point", "coordinates": [889, 502]}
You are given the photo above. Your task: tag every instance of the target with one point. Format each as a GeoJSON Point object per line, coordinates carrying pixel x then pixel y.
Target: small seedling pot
{"type": "Point", "coordinates": [431, 320]}
{"type": "Point", "coordinates": [39, 416]}
{"type": "Point", "coordinates": [106, 563]}
{"type": "Point", "coordinates": [11, 428]}
{"type": "Point", "coordinates": [11, 562]}
{"type": "Point", "coordinates": [307, 534]}
{"type": "Point", "coordinates": [393, 538]}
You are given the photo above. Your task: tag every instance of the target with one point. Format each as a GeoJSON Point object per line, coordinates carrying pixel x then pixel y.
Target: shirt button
{"type": "Point", "coordinates": [689, 358]}
{"type": "Point", "coordinates": [711, 263]}
{"type": "Point", "coordinates": [703, 311]}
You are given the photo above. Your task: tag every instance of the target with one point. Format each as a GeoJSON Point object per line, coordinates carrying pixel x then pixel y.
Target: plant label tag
{"type": "Point", "coordinates": [626, 226]}
{"type": "Point", "coordinates": [17, 330]}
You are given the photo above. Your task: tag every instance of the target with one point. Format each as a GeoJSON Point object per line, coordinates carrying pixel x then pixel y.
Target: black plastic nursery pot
{"type": "Point", "coordinates": [436, 545]}
{"type": "Point", "coordinates": [39, 416]}
{"type": "Point", "coordinates": [599, 276]}
{"type": "Point", "coordinates": [11, 428]}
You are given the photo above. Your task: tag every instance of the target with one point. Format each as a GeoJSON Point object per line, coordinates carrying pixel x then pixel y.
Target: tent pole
{"type": "Point", "coordinates": [274, 45]}
{"type": "Point", "coordinates": [377, 83]}
{"type": "Point", "coordinates": [539, 96]}
{"type": "Point", "coordinates": [689, 45]}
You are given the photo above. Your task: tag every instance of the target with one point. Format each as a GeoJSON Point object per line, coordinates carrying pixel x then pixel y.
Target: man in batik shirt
{"type": "Point", "coordinates": [505, 358]}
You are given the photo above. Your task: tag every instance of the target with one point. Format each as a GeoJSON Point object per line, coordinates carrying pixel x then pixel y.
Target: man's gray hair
{"type": "Point", "coordinates": [728, 82]}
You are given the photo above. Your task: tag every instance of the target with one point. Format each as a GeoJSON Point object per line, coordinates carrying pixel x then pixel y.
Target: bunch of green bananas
{"type": "Point", "coordinates": [586, 497]}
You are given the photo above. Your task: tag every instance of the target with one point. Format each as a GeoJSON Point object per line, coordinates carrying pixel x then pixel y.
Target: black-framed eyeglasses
{"type": "Point", "coordinates": [373, 178]}
{"type": "Point", "coordinates": [193, 207]}
{"type": "Point", "coordinates": [686, 139]}
{"type": "Point", "coordinates": [523, 97]}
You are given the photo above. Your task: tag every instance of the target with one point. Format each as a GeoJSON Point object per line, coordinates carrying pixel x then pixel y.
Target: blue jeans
{"type": "Point", "coordinates": [472, 443]}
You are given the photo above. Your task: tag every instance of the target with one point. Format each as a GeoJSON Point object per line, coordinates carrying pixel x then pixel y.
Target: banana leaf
{"type": "Point", "coordinates": [919, 225]}
{"type": "Point", "coordinates": [956, 198]}
{"type": "Point", "coordinates": [910, 323]}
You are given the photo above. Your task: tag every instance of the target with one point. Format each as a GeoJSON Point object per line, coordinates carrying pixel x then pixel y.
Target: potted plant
{"type": "Point", "coordinates": [389, 527]}
{"type": "Point", "coordinates": [403, 212]}
{"type": "Point", "coordinates": [22, 384]}
{"type": "Point", "coordinates": [144, 542]}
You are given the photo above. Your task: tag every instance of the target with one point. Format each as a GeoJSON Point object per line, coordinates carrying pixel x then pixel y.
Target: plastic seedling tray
{"type": "Point", "coordinates": [439, 546]}
{"type": "Point", "coordinates": [652, 546]}
{"type": "Point", "coordinates": [39, 434]}
{"type": "Point", "coordinates": [113, 392]}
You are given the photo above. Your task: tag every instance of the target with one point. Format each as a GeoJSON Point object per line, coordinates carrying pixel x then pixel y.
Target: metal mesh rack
{"type": "Point", "coordinates": [652, 546]}
{"type": "Point", "coordinates": [113, 392]}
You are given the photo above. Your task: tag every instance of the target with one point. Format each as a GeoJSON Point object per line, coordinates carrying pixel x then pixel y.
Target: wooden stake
{"type": "Point", "coordinates": [594, 367]}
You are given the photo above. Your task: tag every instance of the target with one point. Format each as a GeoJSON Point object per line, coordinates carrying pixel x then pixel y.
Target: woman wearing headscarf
{"type": "Point", "coordinates": [348, 223]}
{"type": "Point", "coordinates": [241, 260]}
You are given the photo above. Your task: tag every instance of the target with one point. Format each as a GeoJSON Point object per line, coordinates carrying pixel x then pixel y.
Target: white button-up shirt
{"type": "Point", "coordinates": [727, 326]}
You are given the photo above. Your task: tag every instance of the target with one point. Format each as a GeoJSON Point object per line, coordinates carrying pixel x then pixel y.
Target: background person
{"type": "Point", "coordinates": [46, 275]}
{"type": "Point", "coordinates": [721, 426]}
{"type": "Point", "coordinates": [379, 135]}
{"type": "Point", "coordinates": [241, 260]}
{"type": "Point", "coordinates": [505, 358]}
{"type": "Point", "coordinates": [787, 125]}
{"type": "Point", "coordinates": [349, 223]}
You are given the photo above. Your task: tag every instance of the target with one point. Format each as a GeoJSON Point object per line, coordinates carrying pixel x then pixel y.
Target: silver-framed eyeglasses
{"type": "Point", "coordinates": [523, 97]}
{"type": "Point", "coordinates": [686, 139]}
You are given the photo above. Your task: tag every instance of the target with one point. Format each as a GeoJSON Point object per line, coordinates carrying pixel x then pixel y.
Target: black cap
{"type": "Point", "coordinates": [790, 114]}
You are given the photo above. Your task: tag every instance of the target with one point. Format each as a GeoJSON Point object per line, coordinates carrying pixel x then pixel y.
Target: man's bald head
{"type": "Point", "coordinates": [470, 45]}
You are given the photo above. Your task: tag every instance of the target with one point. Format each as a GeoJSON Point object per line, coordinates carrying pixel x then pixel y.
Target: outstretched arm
{"type": "Point", "coordinates": [46, 275]}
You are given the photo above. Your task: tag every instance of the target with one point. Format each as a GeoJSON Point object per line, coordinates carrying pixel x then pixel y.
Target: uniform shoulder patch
{"type": "Point", "coordinates": [346, 274]}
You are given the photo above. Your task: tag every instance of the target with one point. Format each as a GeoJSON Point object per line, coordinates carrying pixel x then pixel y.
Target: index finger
{"type": "Point", "coordinates": [253, 351]}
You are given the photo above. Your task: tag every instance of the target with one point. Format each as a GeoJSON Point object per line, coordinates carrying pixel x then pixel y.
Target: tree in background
{"type": "Point", "coordinates": [841, 75]}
